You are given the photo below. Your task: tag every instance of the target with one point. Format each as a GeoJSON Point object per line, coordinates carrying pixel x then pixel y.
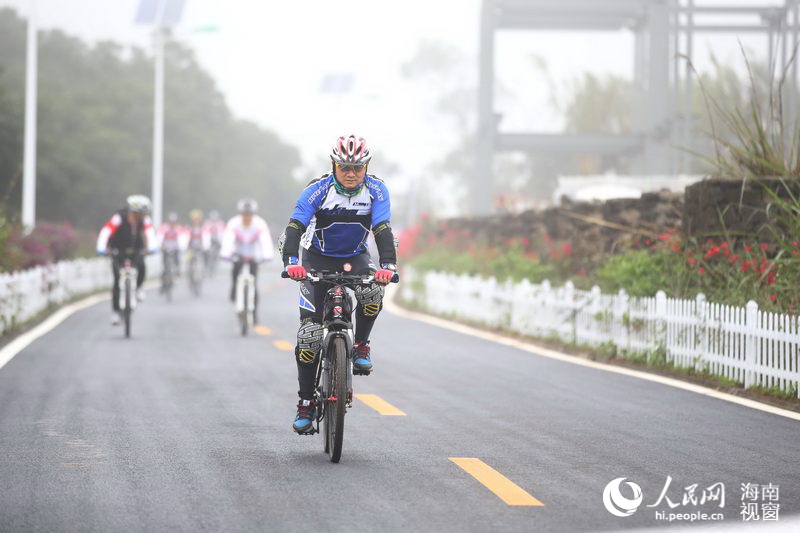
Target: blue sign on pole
{"type": "Point", "coordinates": [168, 11]}
{"type": "Point", "coordinates": [337, 83]}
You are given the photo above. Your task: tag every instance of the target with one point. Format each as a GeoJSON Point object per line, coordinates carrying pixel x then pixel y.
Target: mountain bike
{"type": "Point", "coordinates": [212, 256]}
{"type": "Point", "coordinates": [195, 267]}
{"type": "Point", "coordinates": [334, 382]}
{"type": "Point", "coordinates": [245, 296]}
{"type": "Point", "coordinates": [127, 285]}
{"type": "Point", "coordinates": [168, 273]}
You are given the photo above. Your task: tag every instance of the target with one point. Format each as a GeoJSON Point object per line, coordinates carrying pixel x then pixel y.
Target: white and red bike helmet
{"type": "Point", "coordinates": [351, 150]}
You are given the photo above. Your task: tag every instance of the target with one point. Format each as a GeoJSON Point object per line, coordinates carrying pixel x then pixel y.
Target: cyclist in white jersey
{"type": "Point", "coordinates": [246, 236]}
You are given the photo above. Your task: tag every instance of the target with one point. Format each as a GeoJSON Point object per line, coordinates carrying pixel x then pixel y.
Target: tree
{"type": "Point", "coordinates": [95, 133]}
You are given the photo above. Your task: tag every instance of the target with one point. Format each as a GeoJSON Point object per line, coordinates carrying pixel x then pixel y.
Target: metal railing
{"type": "Point", "coordinates": [744, 344]}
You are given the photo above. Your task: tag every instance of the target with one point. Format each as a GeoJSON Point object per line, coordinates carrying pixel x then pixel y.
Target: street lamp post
{"type": "Point", "coordinates": [158, 127]}
{"type": "Point", "coordinates": [29, 163]}
{"type": "Point", "coordinates": [162, 14]}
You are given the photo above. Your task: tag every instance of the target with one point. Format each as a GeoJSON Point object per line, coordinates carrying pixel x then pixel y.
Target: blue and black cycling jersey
{"type": "Point", "coordinates": [336, 225]}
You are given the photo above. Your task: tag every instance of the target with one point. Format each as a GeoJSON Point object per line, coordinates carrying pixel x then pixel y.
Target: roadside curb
{"type": "Point", "coordinates": [21, 341]}
{"type": "Point", "coordinates": [48, 324]}
{"type": "Point", "coordinates": [394, 308]}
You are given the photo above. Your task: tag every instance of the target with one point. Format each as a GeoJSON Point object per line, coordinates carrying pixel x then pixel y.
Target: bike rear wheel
{"type": "Point", "coordinates": [127, 311]}
{"type": "Point", "coordinates": [166, 285]}
{"type": "Point", "coordinates": [243, 316]}
{"type": "Point", "coordinates": [195, 279]}
{"type": "Point", "coordinates": [336, 403]}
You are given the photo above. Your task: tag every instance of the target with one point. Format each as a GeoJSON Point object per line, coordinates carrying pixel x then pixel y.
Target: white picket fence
{"type": "Point", "coordinates": [745, 344]}
{"type": "Point", "coordinates": [25, 293]}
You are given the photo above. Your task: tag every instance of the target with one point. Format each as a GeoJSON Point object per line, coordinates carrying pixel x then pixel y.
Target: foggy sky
{"type": "Point", "coordinates": [269, 58]}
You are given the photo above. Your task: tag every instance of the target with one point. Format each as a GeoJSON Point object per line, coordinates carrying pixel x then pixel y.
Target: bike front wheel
{"type": "Point", "coordinates": [336, 403]}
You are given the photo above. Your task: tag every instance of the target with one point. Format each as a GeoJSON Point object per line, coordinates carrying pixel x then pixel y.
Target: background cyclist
{"type": "Point", "coordinates": [128, 230]}
{"type": "Point", "coordinates": [199, 237]}
{"type": "Point", "coordinates": [214, 227]}
{"type": "Point", "coordinates": [246, 236]}
{"type": "Point", "coordinates": [171, 240]}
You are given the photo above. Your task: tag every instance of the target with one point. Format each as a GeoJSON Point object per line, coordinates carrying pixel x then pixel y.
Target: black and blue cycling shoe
{"type": "Point", "coordinates": [304, 421]}
{"type": "Point", "coordinates": [362, 364]}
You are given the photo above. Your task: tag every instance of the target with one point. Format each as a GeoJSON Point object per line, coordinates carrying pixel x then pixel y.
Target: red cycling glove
{"type": "Point", "coordinates": [384, 276]}
{"type": "Point", "coordinates": [296, 271]}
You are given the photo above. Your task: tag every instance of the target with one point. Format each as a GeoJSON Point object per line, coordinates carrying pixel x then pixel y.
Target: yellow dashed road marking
{"type": "Point", "coordinates": [283, 345]}
{"type": "Point", "coordinates": [501, 486]}
{"type": "Point", "coordinates": [262, 330]}
{"type": "Point", "coordinates": [380, 405]}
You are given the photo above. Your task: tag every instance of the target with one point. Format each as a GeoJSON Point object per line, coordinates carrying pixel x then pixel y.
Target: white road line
{"type": "Point", "coordinates": [20, 343]}
{"type": "Point", "coordinates": [393, 308]}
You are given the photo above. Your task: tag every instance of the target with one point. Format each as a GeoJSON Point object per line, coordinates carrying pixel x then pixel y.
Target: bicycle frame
{"type": "Point", "coordinates": [334, 370]}
{"type": "Point", "coordinates": [212, 256]}
{"type": "Point", "coordinates": [126, 286]}
{"type": "Point", "coordinates": [337, 322]}
{"type": "Point", "coordinates": [195, 269]}
{"type": "Point", "coordinates": [170, 259]}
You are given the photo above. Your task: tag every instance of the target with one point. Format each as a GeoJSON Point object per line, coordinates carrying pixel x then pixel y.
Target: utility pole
{"type": "Point", "coordinates": [162, 14]}
{"type": "Point", "coordinates": [158, 125]}
{"type": "Point", "coordinates": [158, 115]}
{"type": "Point", "coordinates": [29, 162]}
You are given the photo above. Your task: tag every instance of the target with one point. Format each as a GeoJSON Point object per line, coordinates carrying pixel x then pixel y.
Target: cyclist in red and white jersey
{"type": "Point", "coordinates": [246, 236]}
{"type": "Point", "coordinates": [172, 238]}
{"type": "Point", "coordinates": [129, 229]}
{"type": "Point", "coordinates": [199, 237]}
{"type": "Point", "coordinates": [215, 227]}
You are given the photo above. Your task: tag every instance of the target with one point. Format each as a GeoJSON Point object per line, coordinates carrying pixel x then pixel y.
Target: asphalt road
{"type": "Point", "coordinates": [187, 427]}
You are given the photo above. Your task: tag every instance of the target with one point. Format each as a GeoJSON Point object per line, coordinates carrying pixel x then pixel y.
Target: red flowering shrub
{"type": "Point", "coordinates": [726, 272]}
{"type": "Point", "coordinates": [45, 244]}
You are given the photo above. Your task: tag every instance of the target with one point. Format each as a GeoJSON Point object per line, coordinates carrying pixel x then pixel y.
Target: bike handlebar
{"type": "Point", "coordinates": [238, 258]}
{"type": "Point", "coordinates": [127, 252]}
{"type": "Point", "coordinates": [316, 277]}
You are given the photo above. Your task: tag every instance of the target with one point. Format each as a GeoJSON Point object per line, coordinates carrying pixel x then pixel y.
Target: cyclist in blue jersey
{"type": "Point", "coordinates": [331, 220]}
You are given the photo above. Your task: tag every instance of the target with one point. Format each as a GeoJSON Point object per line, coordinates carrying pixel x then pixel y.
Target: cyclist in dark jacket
{"type": "Point", "coordinates": [128, 233]}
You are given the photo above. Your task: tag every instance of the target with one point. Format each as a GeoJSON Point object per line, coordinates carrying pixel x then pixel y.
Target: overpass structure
{"type": "Point", "coordinates": [664, 35]}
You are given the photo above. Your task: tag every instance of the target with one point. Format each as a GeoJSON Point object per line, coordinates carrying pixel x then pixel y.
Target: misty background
{"type": "Point", "coordinates": [256, 93]}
